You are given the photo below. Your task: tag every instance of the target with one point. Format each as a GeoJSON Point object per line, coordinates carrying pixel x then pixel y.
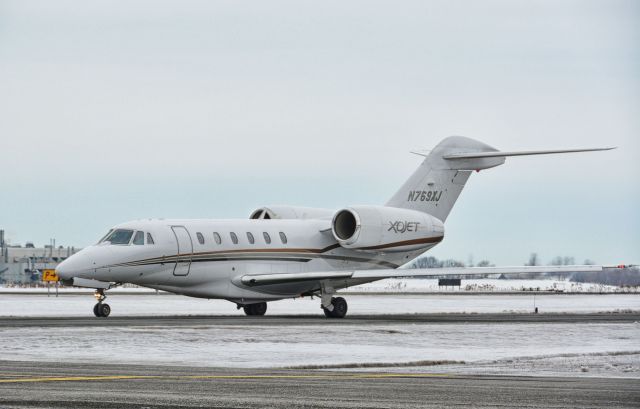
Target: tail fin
{"type": "Point", "coordinates": [435, 186]}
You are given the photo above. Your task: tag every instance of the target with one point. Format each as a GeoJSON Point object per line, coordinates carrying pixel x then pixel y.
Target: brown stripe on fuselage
{"type": "Point", "coordinates": [403, 243]}
{"type": "Point", "coordinates": [218, 252]}
{"type": "Point", "coordinates": [255, 257]}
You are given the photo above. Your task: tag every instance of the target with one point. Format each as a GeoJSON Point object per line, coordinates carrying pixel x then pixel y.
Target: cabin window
{"type": "Point", "coordinates": [250, 238]}
{"type": "Point", "coordinates": [138, 239]}
{"type": "Point", "coordinates": [283, 238]}
{"type": "Point", "coordinates": [150, 239]}
{"type": "Point", "coordinates": [267, 238]}
{"type": "Point", "coordinates": [234, 238]}
{"type": "Point", "coordinates": [119, 236]}
{"type": "Point", "coordinates": [217, 238]}
{"type": "Point", "coordinates": [200, 237]}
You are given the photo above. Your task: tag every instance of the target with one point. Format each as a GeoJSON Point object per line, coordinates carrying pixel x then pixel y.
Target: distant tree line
{"type": "Point", "coordinates": [617, 277]}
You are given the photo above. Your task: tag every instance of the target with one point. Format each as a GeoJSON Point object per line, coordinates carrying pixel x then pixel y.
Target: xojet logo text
{"type": "Point", "coordinates": [403, 226]}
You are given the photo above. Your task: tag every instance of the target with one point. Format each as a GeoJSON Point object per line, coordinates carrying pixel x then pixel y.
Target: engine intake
{"type": "Point", "coordinates": [345, 224]}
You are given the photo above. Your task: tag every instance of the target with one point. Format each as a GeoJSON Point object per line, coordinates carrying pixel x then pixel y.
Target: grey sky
{"type": "Point", "coordinates": [111, 111]}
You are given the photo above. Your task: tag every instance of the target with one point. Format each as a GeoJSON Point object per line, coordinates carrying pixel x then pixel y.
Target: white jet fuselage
{"type": "Point", "coordinates": [199, 258]}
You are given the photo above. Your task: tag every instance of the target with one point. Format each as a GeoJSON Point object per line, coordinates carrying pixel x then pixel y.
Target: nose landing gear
{"type": "Point", "coordinates": [101, 310]}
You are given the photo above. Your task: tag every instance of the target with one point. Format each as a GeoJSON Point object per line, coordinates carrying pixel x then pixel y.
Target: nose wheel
{"type": "Point", "coordinates": [101, 309]}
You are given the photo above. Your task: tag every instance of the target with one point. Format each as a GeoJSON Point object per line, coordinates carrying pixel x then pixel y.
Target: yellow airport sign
{"type": "Point", "coordinates": [49, 275]}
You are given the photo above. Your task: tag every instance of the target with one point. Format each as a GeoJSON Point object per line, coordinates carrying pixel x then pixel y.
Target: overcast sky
{"type": "Point", "coordinates": [112, 111]}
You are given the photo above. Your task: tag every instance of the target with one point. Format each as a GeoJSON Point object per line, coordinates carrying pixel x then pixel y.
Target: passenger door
{"type": "Point", "coordinates": [185, 250]}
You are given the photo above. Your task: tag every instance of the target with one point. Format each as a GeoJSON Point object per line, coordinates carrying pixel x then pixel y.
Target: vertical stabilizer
{"type": "Point", "coordinates": [435, 186]}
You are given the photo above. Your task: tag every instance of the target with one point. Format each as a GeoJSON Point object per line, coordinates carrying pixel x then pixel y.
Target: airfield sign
{"type": "Point", "coordinates": [49, 275]}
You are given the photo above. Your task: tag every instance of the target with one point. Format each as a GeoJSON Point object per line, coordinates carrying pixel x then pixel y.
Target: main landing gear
{"type": "Point", "coordinates": [339, 309]}
{"type": "Point", "coordinates": [101, 309]}
{"type": "Point", "coordinates": [333, 307]}
{"type": "Point", "coordinates": [259, 308]}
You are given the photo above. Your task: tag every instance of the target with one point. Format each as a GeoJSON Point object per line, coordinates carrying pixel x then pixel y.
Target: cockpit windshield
{"type": "Point", "coordinates": [105, 236]}
{"type": "Point", "coordinates": [119, 236]}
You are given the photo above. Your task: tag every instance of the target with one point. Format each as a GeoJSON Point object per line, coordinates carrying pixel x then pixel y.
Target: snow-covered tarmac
{"type": "Point", "coordinates": [31, 305]}
{"type": "Point", "coordinates": [578, 349]}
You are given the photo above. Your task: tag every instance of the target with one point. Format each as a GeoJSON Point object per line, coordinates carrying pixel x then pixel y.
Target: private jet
{"type": "Point", "coordinates": [284, 252]}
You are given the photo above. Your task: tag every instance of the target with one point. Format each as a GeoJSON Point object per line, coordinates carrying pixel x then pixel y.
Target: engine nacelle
{"type": "Point", "coordinates": [291, 212]}
{"type": "Point", "coordinates": [387, 229]}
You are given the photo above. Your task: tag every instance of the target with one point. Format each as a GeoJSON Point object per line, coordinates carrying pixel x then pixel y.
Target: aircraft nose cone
{"type": "Point", "coordinates": [73, 266]}
{"type": "Point", "coordinates": [63, 271]}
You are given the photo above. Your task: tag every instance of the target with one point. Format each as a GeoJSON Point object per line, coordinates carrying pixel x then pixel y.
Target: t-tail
{"type": "Point", "coordinates": [436, 185]}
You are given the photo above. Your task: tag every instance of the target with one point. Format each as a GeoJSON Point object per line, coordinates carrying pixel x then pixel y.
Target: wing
{"type": "Point", "coordinates": [254, 280]}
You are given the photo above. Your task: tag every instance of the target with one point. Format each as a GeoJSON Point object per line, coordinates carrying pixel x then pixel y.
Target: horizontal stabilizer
{"type": "Point", "coordinates": [498, 154]}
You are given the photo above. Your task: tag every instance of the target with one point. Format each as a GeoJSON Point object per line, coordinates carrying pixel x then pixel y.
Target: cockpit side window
{"type": "Point", "coordinates": [150, 239]}
{"type": "Point", "coordinates": [138, 239]}
{"type": "Point", "coordinates": [119, 236]}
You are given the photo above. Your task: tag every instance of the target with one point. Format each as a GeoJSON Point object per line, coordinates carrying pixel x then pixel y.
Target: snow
{"type": "Point", "coordinates": [492, 348]}
{"type": "Point", "coordinates": [576, 349]}
{"type": "Point", "coordinates": [405, 285]}
{"type": "Point", "coordinates": [67, 305]}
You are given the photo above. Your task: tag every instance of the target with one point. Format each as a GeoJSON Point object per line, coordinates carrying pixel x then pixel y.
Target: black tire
{"type": "Point", "coordinates": [248, 309]}
{"type": "Point", "coordinates": [257, 309]}
{"type": "Point", "coordinates": [340, 308]}
{"type": "Point", "coordinates": [96, 310]}
{"type": "Point", "coordinates": [105, 310]}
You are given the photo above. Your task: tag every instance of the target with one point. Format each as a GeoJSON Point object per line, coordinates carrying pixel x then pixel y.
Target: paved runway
{"type": "Point", "coordinates": [51, 385]}
{"type": "Point", "coordinates": [285, 320]}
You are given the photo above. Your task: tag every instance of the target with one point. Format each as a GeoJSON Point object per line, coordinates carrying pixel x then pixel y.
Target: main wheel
{"type": "Point", "coordinates": [339, 308]}
{"type": "Point", "coordinates": [255, 309]}
{"type": "Point", "coordinates": [260, 308]}
{"type": "Point", "coordinates": [104, 310]}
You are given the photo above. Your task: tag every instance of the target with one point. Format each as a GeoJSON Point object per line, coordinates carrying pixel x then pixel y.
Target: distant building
{"type": "Point", "coordinates": [21, 265]}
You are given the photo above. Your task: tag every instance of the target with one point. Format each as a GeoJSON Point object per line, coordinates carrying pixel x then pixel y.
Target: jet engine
{"type": "Point", "coordinates": [388, 229]}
